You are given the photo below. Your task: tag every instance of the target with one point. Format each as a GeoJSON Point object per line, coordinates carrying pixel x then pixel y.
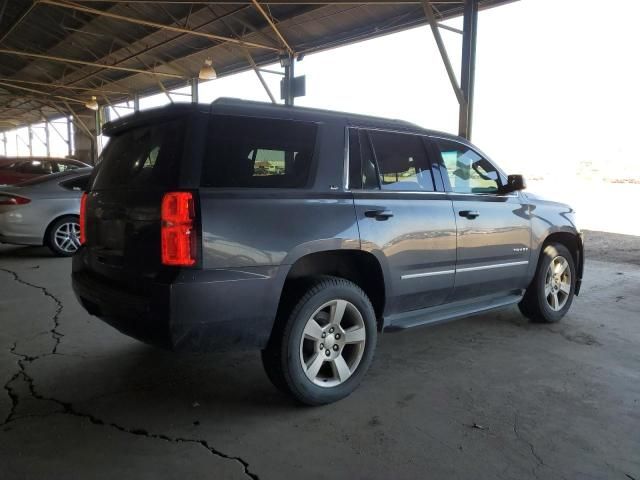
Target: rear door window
{"type": "Point", "coordinates": [402, 162]}
{"type": "Point", "coordinates": [258, 152]}
{"type": "Point", "coordinates": [146, 156]}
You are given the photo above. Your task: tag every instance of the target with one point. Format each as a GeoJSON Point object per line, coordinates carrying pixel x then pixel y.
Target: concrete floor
{"type": "Point", "coordinates": [491, 396]}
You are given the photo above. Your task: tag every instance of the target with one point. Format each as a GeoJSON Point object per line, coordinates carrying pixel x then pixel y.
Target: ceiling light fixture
{"type": "Point", "coordinates": [92, 104]}
{"type": "Point", "coordinates": [207, 72]}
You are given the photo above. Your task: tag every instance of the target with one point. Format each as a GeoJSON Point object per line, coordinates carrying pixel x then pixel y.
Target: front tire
{"type": "Point", "coordinates": [321, 351]}
{"type": "Point", "coordinates": [551, 292]}
{"type": "Point", "coordinates": [63, 236]}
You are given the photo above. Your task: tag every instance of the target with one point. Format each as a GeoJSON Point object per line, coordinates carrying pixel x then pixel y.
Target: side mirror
{"type": "Point", "coordinates": [514, 184]}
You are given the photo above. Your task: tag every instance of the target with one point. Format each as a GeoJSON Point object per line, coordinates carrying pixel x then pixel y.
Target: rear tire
{"type": "Point", "coordinates": [321, 350]}
{"type": "Point", "coordinates": [551, 292]}
{"type": "Point", "coordinates": [63, 236]}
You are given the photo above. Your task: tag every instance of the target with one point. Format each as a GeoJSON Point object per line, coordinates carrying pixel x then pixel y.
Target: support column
{"type": "Point", "coordinates": [469, 37]}
{"type": "Point", "coordinates": [194, 90]}
{"type": "Point", "coordinates": [289, 75]}
{"type": "Point", "coordinates": [69, 137]}
{"type": "Point", "coordinates": [85, 138]}
{"type": "Point", "coordinates": [136, 102]}
{"type": "Point", "coordinates": [47, 140]}
{"type": "Point", "coordinates": [4, 143]}
{"type": "Point", "coordinates": [30, 134]}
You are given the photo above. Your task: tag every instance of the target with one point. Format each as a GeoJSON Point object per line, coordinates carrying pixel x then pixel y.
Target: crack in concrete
{"type": "Point", "coordinates": [55, 334]}
{"type": "Point", "coordinates": [67, 407]}
{"type": "Point", "coordinates": [539, 460]}
{"type": "Point", "coordinates": [12, 395]}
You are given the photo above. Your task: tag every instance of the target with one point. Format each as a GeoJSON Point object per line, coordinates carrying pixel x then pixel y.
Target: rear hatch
{"type": "Point", "coordinates": [139, 164]}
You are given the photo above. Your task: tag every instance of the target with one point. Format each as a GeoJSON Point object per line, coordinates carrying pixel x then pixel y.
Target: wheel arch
{"type": "Point", "coordinates": [358, 266]}
{"type": "Point", "coordinates": [45, 238]}
{"type": "Point", "coordinates": [573, 242]}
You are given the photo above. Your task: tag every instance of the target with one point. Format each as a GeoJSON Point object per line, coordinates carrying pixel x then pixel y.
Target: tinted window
{"type": "Point", "coordinates": [35, 167]}
{"type": "Point", "coordinates": [78, 183]}
{"type": "Point", "coordinates": [144, 156]}
{"type": "Point", "coordinates": [64, 166]}
{"type": "Point", "coordinates": [402, 162]}
{"type": "Point", "coordinates": [468, 172]}
{"type": "Point", "coordinates": [253, 152]}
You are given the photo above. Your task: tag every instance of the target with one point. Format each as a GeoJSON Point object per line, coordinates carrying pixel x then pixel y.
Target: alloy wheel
{"type": "Point", "coordinates": [67, 237]}
{"type": "Point", "coordinates": [557, 285]}
{"type": "Point", "coordinates": [332, 343]}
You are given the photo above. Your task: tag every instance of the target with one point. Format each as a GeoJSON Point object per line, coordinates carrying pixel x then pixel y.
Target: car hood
{"type": "Point", "coordinates": [537, 199]}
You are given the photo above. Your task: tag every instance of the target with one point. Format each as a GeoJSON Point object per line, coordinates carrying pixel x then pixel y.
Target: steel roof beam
{"type": "Point", "coordinates": [82, 62]}
{"type": "Point", "coordinates": [157, 45]}
{"type": "Point", "coordinates": [433, 23]}
{"type": "Point", "coordinates": [17, 22]}
{"type": "Point", "coordinates": [274, 27]}
{"type": "Point", "coordinates": [33, 90]}
{"type": "Point", "coordinates": [255, 68]}
{"type": "Point", "coordinates": [115, 16]}
{"type": "Point", "coordinates": [67, 87]}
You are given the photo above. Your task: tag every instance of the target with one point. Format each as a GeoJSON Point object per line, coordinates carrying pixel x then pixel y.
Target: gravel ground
{"type": "Point", "coordinates": [612, 247]}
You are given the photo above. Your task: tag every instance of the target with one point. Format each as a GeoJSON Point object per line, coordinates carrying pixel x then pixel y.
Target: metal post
{"type": "Point", "coordinates": [4, 143]}
{"type": "Point", "coordinates": [96, 146]}
{"type": "Point", "coordinates": [289, 75]}
{"type": "Point", "coordinates": [433, 22]}
{"type": "Point", "coordinates": [136, 102]}
{"type": "Point", "coordinates": [469, 37]}
{"type": "Point", "coordinates": [69, 139]}
{"type": "Point", "coordinates": [30, 133]}
{"type": "Point", "coordinates": [47, 137]}
{"type": "Point", "coordinates": [194, 90]}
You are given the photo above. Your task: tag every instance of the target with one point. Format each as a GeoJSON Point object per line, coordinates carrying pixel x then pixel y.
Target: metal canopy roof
{"type": "Point", "coordinates": [56, 54]}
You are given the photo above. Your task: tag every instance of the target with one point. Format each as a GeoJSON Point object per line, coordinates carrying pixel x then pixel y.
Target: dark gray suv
{"type": "Point", "coordinates": [304, 233]}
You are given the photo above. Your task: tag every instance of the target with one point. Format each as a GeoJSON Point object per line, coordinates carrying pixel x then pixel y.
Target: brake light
{"type": "Point", "coordinates": [83, 219]}
{"type": "Point", "coordinates": [177, 230]}
{"type": "Point", "coordinates": [13, 200]}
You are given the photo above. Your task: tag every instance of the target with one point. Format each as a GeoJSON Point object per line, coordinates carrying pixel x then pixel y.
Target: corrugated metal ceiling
{"type": "Point", "coordinates": [59, 30]}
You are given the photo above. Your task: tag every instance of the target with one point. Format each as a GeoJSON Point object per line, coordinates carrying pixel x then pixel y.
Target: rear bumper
{"type": "Point", "coordinates": [199, 311]}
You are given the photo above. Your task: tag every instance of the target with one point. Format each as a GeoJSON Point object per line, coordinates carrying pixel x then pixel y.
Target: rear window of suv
{"type": "Point", "coordinates": [258, 152]}
{"type": "Point", "coordinates": [146, 156]}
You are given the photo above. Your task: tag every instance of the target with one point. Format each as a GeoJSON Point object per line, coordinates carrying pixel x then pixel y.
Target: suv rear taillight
{"type": "Point", "coordinates": [177, 230]}
{"type": "Point", "coordinates": [83, 219]}
{"type": "Point", "coordinates": [13, 200]}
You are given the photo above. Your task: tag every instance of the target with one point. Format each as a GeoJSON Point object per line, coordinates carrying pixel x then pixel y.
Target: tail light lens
{"type": "Point", "coordinates": [13, 200]}
{"type": "Point", "coordinates": [83, 219]}
{"type": "Point", "coordinates": [177, 230]}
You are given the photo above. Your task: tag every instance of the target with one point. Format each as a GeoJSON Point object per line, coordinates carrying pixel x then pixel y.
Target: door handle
{"type": "Point", "coordinates": [379, 214]}
{"type": "Point", "coordinates": [470, 214]}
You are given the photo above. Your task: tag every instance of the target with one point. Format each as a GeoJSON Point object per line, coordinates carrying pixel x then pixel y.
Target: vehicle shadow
{"type": "Point", "coordinates": [132, 380]}
{"type": "Point", "coordinates": [20, 251]}
{"type": "Point", "coordinates": [154, 387]}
